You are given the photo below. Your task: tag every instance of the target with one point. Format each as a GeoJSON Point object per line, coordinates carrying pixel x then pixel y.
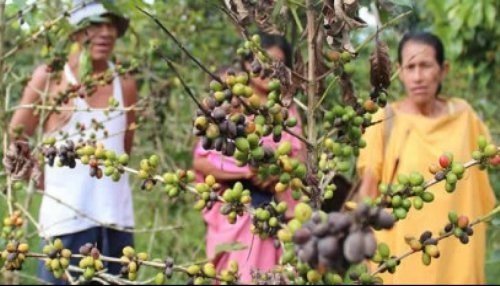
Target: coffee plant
{"type": "Point", "coordinates": [318, 246]}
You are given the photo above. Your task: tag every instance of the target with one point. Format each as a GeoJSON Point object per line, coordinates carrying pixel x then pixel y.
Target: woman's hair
{"type": "Point", "coordinates": [427, 39]}
{"type": "Point", "coordinates": [271, 40]}
{"type": "Point", "coordinates": [424, 38]}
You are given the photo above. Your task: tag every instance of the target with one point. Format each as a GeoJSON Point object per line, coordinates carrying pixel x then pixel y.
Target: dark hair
{"type": "Point", "coordinates": [424, 38]}
{"type": "Point", "coordinates": [270, 40]}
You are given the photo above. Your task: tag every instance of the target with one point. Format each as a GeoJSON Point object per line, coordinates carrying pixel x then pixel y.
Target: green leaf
{"type": "Point", "coordinates": [228, 247]}
{"type": "Point", "coordinates": [85, 64]}
{"type": "Point", "coordinates": [475, 16]}
{"type": "Point", "coordinates": [490, 14]}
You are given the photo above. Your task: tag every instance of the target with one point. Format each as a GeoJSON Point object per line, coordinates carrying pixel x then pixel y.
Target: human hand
{"type": "Point", "coordinates": [265, 185]}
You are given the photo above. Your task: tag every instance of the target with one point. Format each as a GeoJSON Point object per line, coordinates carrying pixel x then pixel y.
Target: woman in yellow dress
{"type": "Point", "coordinates": [424, 125]}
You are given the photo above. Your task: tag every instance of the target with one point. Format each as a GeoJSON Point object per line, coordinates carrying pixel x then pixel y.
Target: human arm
{"type": "Point", "coordinates": [369, 185]}
{"type": "Point", "coordinates": [129, 88]}
{"type": "Point", "coordinates": [205, 166]}
{"type": "Point", "coordinates": [26, 117]}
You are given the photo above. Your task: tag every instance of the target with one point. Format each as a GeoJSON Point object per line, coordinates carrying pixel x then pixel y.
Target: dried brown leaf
{"type": "Point", "coordinates": [380, 66]}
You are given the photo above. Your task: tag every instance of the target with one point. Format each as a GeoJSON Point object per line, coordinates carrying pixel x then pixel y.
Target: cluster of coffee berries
{"type": "Point", "coordinates": [131, 262]}
{"type": "Point", "coordinates": [383, 256]}
{"type": "Point", "coordinates": [230, 275]}
{"type": "Point", "coordinates": [67, 155]}
{"type": "Point", "coordinates": [175, 182]}
{"type": "Point", "coordinates": [363, 277]}
{"type": "Point", "coordinates": [49, 152]}
{"type": "Point", "coordinates": [350, 122]}
{"type": "Point", "coordinates": [307, 275]}
{"type": "Point", "coordinates": [220, 120]}
{"type": "Point", "coordinates": [459, 226]}
{"type": "Point", "coordinates": [271, 277]}
{"type": "Point", "coordinates": [248, 150]}
{"type": "Point", "coordinates": [58, 258]}
{"type": "Point", "coordinates": [72, 91]}
{"type": "Point", "coordinates": [12, 226]}
{"type": "Point", "coordinates": [208, 193]}
{"type": "Point", "coordinates": [14, 255]}
{"type": "Point", "coordinates": [251, 50]}
{"type": "Point", "coordinates": [336, 240]}
{"type": "Point", "coordinates": [199, 274]}
{"type": "Point", "coordinates": [428, 245]}
{"type": "Point", "coordinates": [336, 157]}
{"type": "Point", "coordinates": [147, 171]}
{"type": "Point", "coordinates": [235, 200]}
{"type": "Point", "coordinates": [91, 261]}
{"type": "Point", "coordinates": [449, 170]}
{"type": "Point", "coordinates": [95, 154]}
{"type": "Point", "coordinates": [408, 191]}
{"type": "Point", "coordinates": [90, 84]}
{"type": "Point", "coordinates": [487, 153]}
{"type": "Point", "coordinates": [291, 171]}
{"type": "Point", "coordinates": [341, 61]}
{"type": "Point", "coordinates": [267, 220]}
{"type": "Point", "coordinates": [167, 273]}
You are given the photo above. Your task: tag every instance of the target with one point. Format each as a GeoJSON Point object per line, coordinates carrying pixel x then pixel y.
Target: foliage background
{"type": "Point", "coordinates": [470, 39]}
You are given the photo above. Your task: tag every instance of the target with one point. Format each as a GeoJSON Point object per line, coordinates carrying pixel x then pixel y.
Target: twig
{"type": "Point", "coordinates": [484, 218]}
{"type": "Point", "coordinates": [386, 25]}
{"type": "Point", "coordinates": [84, 215]}
{"type": "Point", "coordinates": [325, 93]}
{"type": "Point", "coordinates": [186, 88]}
{"type": "Point", "coordinates": [26, 276]}
{"type": "Point", "coordinates": [299, 103]}
{"type": "Point", "coordinates": [304, 140]}
{"type": "Point", "coordinates": [61, 108]}
{"type": "Point", "coordinates": [311, 96]}
{"type": "Point", "coordinates": [179, 44]}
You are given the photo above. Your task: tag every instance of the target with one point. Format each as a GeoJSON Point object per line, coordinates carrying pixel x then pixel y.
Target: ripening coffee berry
{"type": "Point", "coordinates": [444, 161]}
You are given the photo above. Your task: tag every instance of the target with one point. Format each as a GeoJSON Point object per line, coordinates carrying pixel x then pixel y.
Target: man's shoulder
{"type": "Point", "coordinates": [41, 72]}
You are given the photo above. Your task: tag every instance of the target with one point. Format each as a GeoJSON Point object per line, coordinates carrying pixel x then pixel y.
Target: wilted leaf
{"type": "Point", "coordinates": [380, 66]}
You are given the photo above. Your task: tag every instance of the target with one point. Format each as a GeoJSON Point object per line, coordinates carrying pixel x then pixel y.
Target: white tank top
{"type": "Point", "coordinates": [101, 199]}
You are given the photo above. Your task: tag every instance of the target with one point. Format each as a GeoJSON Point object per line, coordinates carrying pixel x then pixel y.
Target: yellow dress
{"type": "Point", "coordinates": [419, 141]}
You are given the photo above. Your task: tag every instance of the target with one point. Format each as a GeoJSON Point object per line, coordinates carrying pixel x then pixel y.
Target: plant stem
{"type": "Point", "coordinates": [179, 44]}
{"type": "Point", "coordinates": [297, 20]}
{"type": "Point", "coordinates": [311, 95]}
{"type": "Point", "coordinates": [441, 237]}
{"type": "Point", "coordinates": [385, 26]}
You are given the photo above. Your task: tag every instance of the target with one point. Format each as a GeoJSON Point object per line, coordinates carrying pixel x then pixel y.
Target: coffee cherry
{"type": "Point", "coordinates": [490, 150]}
{"type": "Point", "coordinates": [444, 161]}
{"type": "Point", "coordinates": [482, 142]}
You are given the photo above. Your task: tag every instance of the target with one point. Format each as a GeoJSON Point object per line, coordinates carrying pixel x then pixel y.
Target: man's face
{"type": "Point", "coordinates": [101, 39]}
{"type": "Point", "coordinates": [420, 71]}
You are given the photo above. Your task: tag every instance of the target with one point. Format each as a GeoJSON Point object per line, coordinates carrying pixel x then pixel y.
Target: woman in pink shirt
{"type": "Point", "coordinates": [259, 254]}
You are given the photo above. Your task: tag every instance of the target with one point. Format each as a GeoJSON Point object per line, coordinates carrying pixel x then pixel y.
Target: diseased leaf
{"type": "Point", "coordinates": [380, 66]}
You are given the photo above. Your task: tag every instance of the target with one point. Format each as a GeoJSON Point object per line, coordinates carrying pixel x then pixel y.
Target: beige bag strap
{"type": "Point", "coordinates": [388, 123]}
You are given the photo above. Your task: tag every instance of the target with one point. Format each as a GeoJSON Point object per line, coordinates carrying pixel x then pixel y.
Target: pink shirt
{"type": "Point", "coordinates": [259, 254]}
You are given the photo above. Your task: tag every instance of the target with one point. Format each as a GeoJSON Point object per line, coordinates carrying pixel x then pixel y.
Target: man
{"type": "Point", "coordinates": [92, 210]}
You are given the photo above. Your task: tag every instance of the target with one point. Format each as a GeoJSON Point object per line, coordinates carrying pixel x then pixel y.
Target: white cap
{"type": "Point", "coordinates": [87, 9]}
